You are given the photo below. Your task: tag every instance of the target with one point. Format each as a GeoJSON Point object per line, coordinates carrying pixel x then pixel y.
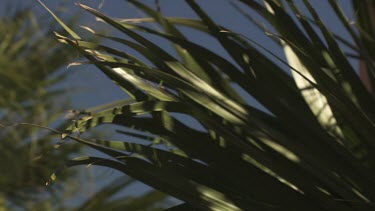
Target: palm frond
{"type": "Point", "coordinates": [313, 149]}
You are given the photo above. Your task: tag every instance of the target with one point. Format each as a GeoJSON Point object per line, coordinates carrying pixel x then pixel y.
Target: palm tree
{"type": "Point", "coordinates": [313, 149]}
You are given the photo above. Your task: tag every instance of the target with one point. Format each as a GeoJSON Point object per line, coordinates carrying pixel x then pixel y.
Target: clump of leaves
{"type": "Point", "coordinates": [29, 60]}
{"type": "Point", "coordinates": [312, 150]}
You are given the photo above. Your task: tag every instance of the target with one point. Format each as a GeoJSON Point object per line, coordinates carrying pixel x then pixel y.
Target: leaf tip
{"type": "Point", "coordinates": [63, 136]}
{"type": "Point", "coordinates": [88, 29]}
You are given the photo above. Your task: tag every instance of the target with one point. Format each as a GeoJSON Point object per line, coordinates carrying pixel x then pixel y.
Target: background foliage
{"type": "Point", "coordinates": [29, 59]}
